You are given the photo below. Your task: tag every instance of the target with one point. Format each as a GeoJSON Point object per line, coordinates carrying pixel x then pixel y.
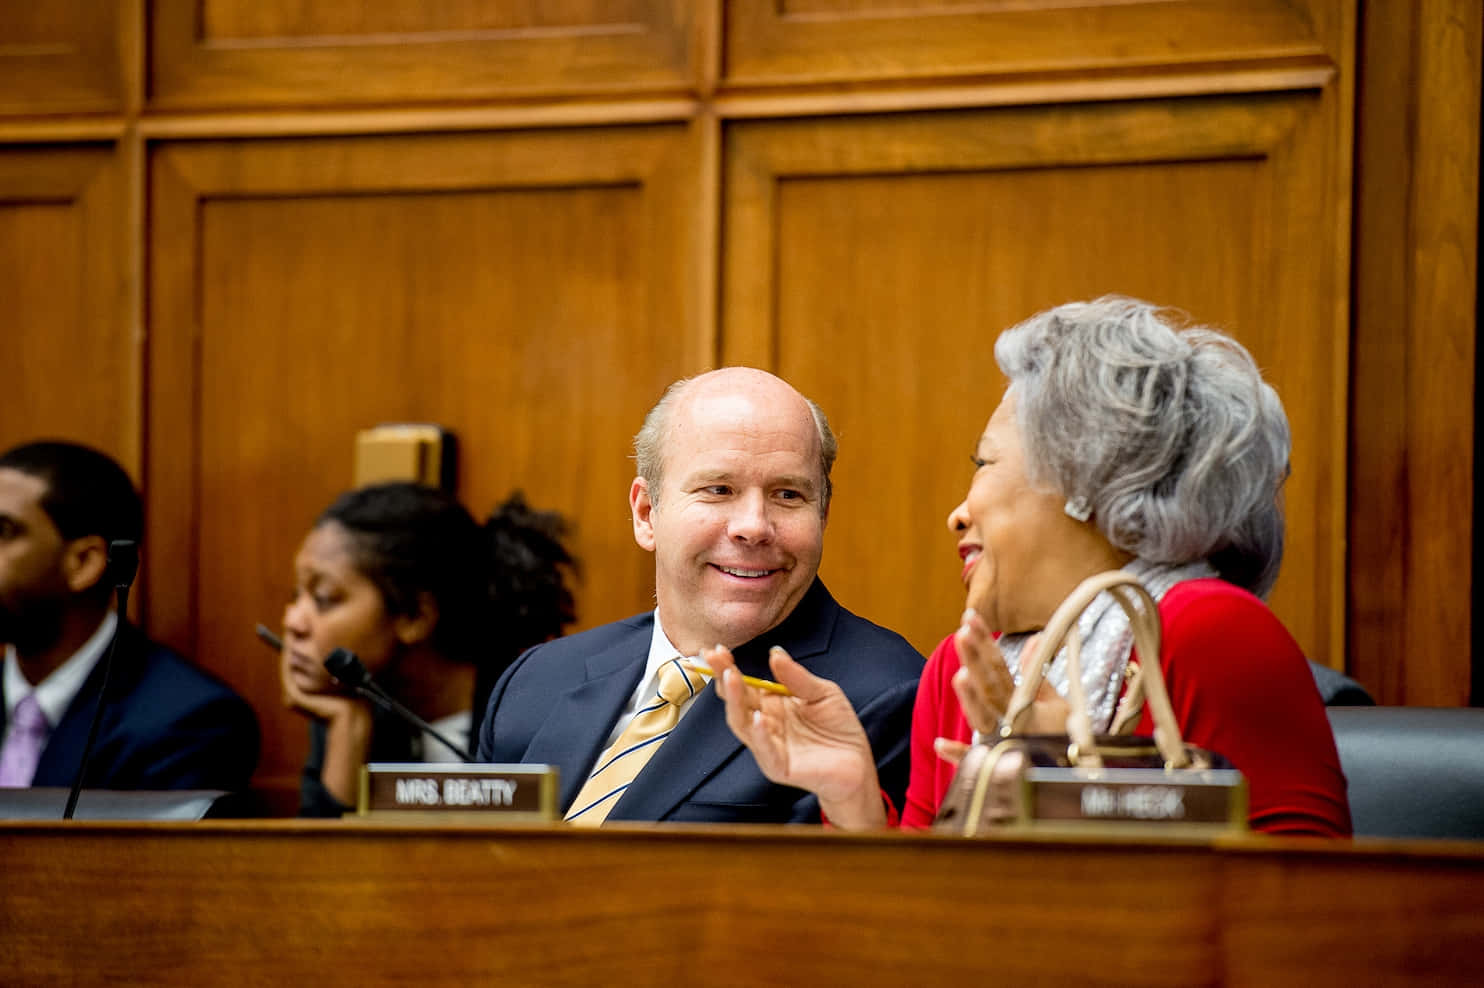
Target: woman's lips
{"type": "Point", "coordinates": [301, 663]}
{"type": "Point", "coordinates": [970, 555]}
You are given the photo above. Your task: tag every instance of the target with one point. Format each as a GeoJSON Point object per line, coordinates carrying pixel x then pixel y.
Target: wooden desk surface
{"type": "Point", "coordinates": [291, 902]}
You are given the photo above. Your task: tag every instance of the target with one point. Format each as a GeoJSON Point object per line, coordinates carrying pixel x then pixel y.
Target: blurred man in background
{"type": "Point", "coordinates": [166, 723]}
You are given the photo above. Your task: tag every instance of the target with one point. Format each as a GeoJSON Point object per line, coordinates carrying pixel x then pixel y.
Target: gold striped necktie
{"type": "Point", "coordinates": [626, 757]}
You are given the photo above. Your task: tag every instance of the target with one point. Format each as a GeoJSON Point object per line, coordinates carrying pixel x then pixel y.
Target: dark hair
{"type": "Point", "coordinates": [87, 493]}
{"type": "Point", "coordinates": [527, 586]}
{"type": "Point", "coordinates": [498, 588]}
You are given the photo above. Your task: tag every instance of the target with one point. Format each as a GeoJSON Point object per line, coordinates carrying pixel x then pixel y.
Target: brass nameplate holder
{"type": "Point", "coordinates": [409, 451]}
{"type": "Point", "coordinates": [1202, 799]}
{"type": "Point", "coordinates": [503, 793]}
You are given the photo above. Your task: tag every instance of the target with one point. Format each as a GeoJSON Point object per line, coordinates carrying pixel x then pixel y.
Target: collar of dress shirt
{"type": "Point", "coordinates": [56, 692]}
{"type": "Point", "coordinates": [660, 652]}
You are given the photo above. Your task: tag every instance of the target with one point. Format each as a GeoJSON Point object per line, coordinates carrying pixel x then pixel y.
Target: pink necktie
{"type": "Point", "coordinates": [23, 744]}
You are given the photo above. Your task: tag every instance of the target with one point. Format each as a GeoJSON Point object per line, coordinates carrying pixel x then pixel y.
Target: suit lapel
{"type": "Point", "coordinates": [702, 744]}
{"type": "Point", "coordinates": [610, 676]}
{"type": "Point", "coordinates": [62, 755]}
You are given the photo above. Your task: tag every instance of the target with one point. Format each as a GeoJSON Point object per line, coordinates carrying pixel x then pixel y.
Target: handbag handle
{"type": "Point", "coordinates": [1143, 619]}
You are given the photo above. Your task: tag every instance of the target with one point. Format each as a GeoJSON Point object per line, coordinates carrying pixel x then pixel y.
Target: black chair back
{"type": "Point", "coordinates": [1413, 771]}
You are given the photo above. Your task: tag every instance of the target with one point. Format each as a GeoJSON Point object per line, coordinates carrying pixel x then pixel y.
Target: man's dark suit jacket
{"type": "Point", "coordinates": [168, 725]}
{"type": "Point", "coordinates": [558, 703]}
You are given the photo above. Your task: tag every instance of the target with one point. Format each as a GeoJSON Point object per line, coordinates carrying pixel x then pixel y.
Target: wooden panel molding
{"type": "Point", "coordinates": [74, 364]}
{"type": "Point", "coordinates": [61, 56]}
{"type": "Point", "coordinates": [532, 291]}
{"type": "Point", "coordinates": [234, 53]}
{"type": "Point", "coordinates": [773, 42]}
{"type": "Point", "coordinates": [873, 260]}
{"type": "Point", "coordinates": [1413, 429]}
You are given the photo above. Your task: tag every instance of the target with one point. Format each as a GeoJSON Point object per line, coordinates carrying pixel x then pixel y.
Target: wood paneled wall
{"type": "Point", "coordinates": [1412, 425]}
{"type": "Point", "coordinates": [873, 260]}
{"type": "Point", "coordinates": [232, 233]}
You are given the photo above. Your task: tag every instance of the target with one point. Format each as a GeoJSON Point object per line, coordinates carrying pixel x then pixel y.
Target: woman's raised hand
{"type": "Point", "coordinates": [311, 691]}
{"type": "Point", "coordinates": [812, 740]}
{"type": "Point", "coordinates": [347, 726]}
{"type": "Point", "coordinates": [984, 685]}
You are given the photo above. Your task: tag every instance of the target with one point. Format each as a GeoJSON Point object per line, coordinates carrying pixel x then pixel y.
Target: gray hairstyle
{"type": "Point", "coordinates": [1172, 439]}
{"type": "Point", "coordinates": [649, 459]}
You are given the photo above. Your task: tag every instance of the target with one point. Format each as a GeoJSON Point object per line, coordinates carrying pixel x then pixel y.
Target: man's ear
{"type": "Point", "coordinates": [416, 628]}
{"type": "Point", "coordinates": [84, 562]}
{"type": "Point", "coordinates": [641, 506]}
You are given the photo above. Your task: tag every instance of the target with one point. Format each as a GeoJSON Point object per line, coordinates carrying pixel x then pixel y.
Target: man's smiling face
{"type": "Point", "coordinates": [737, 528]}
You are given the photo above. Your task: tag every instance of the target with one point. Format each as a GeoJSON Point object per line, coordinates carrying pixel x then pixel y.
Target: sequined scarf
{"type": "Point", "coordinates": [1107, 640]}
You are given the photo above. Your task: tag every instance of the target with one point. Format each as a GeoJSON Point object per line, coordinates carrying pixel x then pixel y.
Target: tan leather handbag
{"type": "Point", "coordinates": [1079, 778]}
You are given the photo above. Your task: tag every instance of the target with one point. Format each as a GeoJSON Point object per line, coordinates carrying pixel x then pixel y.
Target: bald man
{"type": "Point", "coordinates": [732, 495]}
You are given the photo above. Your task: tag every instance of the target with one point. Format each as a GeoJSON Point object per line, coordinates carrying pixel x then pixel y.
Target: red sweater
{"type": "Point", "coordinates": [1240, 687]}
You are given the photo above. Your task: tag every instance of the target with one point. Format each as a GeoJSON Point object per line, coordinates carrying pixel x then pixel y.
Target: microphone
{"type": "Point", "coordinates": [343, 664]}
{"type": "Point", "coordinates": [267, 637]}
{"type": "Point", "coordinates": [123, 563]}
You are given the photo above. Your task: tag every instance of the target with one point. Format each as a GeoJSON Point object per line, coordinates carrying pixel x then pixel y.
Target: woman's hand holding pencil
{"type": "Point", "coordinates": [695, 665]}
{"type": "Point", "coordinates": [803, 732]}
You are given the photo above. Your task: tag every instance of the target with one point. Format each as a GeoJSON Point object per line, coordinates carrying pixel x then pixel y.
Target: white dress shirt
{"type": "Point", "coordinates": [660, 652]}
{"type": "Point", "coordinates": [56, 692]}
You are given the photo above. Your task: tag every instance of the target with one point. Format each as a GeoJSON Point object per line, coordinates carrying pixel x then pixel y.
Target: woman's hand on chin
{"type": "Point", "coordinates": [811, 740]}
{"type": "Point", "coordinates": [328, 705]}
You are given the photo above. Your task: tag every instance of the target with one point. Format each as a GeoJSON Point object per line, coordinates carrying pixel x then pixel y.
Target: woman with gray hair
{"type": "Point", "coordinates": [1120, 442]}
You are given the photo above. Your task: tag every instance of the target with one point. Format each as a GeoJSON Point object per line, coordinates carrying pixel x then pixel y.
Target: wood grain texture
{"type": "Point", "coordinates": [528, 291]}
{"type": "Point", "coordinates": [73, 364]}
{"type": "Point", "coordinates": [231, 20]}
{"type": "Point", "coordinates": [857, 100]}
{"type": "Point", "coordinates": [287, 53]}
{"type": "Point", "coordinates": [1412, 436]}
{"type": "Point", "coordinates": [845, 40]}
{"type": "Point", "coordinates": [872, 261]}
{"type": "Point", "coordinates": [62, 56]}
{"type": "Point", "coordinates": [291, 903]}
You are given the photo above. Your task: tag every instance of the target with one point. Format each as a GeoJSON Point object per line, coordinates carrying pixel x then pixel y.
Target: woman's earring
{"type": "Point", "coordinates": [1078, 508]}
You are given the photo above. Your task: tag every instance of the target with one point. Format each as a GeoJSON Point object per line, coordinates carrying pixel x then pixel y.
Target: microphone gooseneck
{"type": "Point", "coordinates": [343, 664]}
{"type": "Point", "coordinates": [123, 564]}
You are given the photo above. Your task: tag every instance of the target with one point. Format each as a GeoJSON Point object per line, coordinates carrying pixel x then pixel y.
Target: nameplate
{"type": "Point", "coordinates": [1199, 798]}
{"type": "Point", "coordinates": [513, 792]}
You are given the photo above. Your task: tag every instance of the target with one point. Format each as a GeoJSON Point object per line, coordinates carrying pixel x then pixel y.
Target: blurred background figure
{"type": "Point", "coordinates": [166, 724]}
{"type": "Point", "coordinates": [435, 606]}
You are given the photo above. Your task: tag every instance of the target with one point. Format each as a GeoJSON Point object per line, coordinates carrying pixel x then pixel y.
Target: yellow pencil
{"type": "Point", "coordinates": [762, 684]}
